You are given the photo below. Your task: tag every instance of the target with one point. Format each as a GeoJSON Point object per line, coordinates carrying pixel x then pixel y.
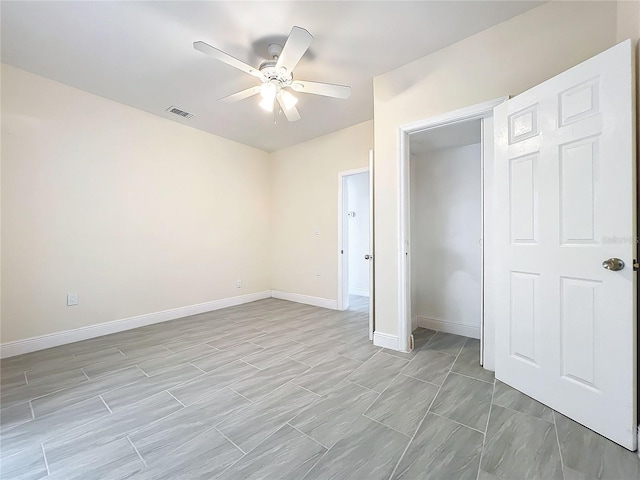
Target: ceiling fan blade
{"type": "Point", "coordinates": [291, 113]}
{"type": "Point", "coordinates": [249, 92]}
{"type": "Point", "coordinates": [326, 89]}
{"type": "Point", "coordinates": [298, 42]}
{"type": "Point", "coordinates": [228, 59]}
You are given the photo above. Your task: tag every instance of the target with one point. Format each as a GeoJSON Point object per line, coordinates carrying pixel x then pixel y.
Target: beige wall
{"type": "Point", "coordinates": [136, 213]}
{"type": "Point", "coordinates": [504, 60]}
{"type": "Point", "coordinates": [304, 191]}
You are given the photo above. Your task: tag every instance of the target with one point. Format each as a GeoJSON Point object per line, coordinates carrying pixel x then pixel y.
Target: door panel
{"type": "Point", "coordinates": [565, 196]}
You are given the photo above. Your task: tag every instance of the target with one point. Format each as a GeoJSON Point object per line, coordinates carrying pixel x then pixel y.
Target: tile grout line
{"type": "Point", "coordinates": [308, 436]}
{"type": "Point", "coordinates": [459, 423]}
{"type": "Point", "coordinates": [26, 380]}
{"type": "Point", "coordinates": [44, 456]}
{"type": "Point", "coordinates": [238, 393]}
{"type": "Point", "coordinates": [136, 450]}
{"type": "Point", "coordinates": [33, 413]}
{"type": "Point", "coordinates": [191, 363]}
{"type": "Point", "coordinates": [230, 441]}
{"type": "Point", "coordinates": [486, 429]}
{"type": "Point", "coordinates": [176, 399]}
{"type": "Point", "coordinates": [105, 403]}
{"type": "Point", "coordinates": [472, 378]}
{"type": "Point", "coordinates": [145, 373]}
{"type": "Point", "coordinates": [85, 373]}
{"type": "Point", "coordinates": [427, 412]}
{"type": "Point", "coordinates": [386, 426]}
{"type": "Point", "coordinates": [555, 428]}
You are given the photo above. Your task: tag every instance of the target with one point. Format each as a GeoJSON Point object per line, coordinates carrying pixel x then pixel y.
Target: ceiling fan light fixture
{"type": "Point", "coordinates": [266, 104]}
{"type": "Point", "coordinates": [268, 91]}
{"type": "Point", "coordinates": [288, 100]}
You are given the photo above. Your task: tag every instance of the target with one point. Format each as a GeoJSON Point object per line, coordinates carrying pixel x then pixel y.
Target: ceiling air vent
{"type": "Point", "coordinates": [177, 111]}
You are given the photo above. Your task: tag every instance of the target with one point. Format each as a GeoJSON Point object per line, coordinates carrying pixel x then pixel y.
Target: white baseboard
{"type": "Point", "coordinates": [361, 292]}
{"type": "Point", "coordinates": [449, 327]}
{"type": "Point", "coordinates": [11, 349]}
{"type": "Point", "coordinates": [386, 341]}
{"type": "Point", "coordinates": [309, 300]}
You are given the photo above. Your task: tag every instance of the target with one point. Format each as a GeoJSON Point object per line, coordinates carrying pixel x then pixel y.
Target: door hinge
{"type": "Point", "coordinates": [636, 265]}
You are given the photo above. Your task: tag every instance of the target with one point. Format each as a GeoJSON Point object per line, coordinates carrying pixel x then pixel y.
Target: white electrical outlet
{"type": "Point", "coordinates": [316, 231]}
{"type": "Point", "coordinates": [238, 283]}
{"type": "Point", "coordinates": [72, 299]}
{"type": "Point", "coordinates": [317, 272]}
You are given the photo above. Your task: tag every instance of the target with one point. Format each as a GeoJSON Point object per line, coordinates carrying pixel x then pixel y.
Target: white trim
{"type": "Point", "coordinates": [360, 292]}
{"type": "Point", "coordinates": [307, 299]}
{"type": "Point", "coordinates": [385, 340]}
{"type": "Point", "coordinates": [474, 112]}
{"type": "Point", "coordinates": [18, 347]}
{"type": "Point", "coordinates": [449, 327]}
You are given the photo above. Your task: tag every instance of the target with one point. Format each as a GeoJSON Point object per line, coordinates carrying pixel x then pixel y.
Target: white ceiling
{"type": "Point", "coordinates": [141, 54]}
{"type": "Point", "coordinates": [456, 135]}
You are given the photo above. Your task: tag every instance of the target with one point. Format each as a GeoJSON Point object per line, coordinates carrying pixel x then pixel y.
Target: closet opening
{"type": "Point", "coordinates": [445, 166]}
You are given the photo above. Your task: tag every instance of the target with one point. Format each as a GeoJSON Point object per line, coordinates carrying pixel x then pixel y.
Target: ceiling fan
{"type": "Point", "coordinates": [276, 75]}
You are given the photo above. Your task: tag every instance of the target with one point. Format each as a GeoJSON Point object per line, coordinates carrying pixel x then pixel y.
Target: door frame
{"type": "Point", "coordinates": [474, 112]}
{"type": "Point", "coordinates": [343, 235]}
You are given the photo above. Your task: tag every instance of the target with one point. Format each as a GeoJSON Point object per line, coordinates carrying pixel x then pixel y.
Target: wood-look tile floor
{"type": "Point", "coordinates": [275, 389]}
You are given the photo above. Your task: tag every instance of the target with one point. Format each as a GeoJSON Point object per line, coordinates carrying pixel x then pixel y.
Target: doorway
{"type": "Point", "coordinates": [445, 260]}
{"type": "Point", "coordinates": [355, 243]}
{"type": "Point", "coordinates": [474, 126]}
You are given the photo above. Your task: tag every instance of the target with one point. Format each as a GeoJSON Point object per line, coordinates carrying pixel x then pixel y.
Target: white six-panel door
{"type": "Point", "coordinates": [565, 191]}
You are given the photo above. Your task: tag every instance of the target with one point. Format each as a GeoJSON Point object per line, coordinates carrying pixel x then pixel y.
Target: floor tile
{"type": "Point", "coordinates": [263, 382]}
{"type": "Point", "coordinates": [403, 404]}
{"type": "Point", "coordinates": [224, 357]}
{"type": "Point", "coordinates": [286, 455]}
{"type": "Point", "coordinates": [360, 351]}
{"type": "Point", "coordinates": [446, 343]}
{"type": "Point", "coordinates": [378, 372]}
{"type": "Point", "coordinates": [369, 451]}
{"type": "Point", "coordinates": [520, 446]}
{"type": "Point", "coordinates": [158, 364]}
{"type": "Point", "coordinates": [41, 429]}
{"type": "Point", "coordinates": [129, 360]}
{"type": "Point", "coordinates": [272, 355]}
{"type": "Point", "coordinates": [162, 437]}
{"type": "Point", "coordinates": [429, 366]}
{"type": "Point", "coordinates": [443, 450]}
{"type": "Point", "coordinates": [15, 415]}
{"type": "Point", "coordinates": [11, 381]}
{"type": "Point", "coordinates": [148, 386]}
{"type": "Point", "coordinates": [328, 420]}
{"type": "Point", "coordinates": [248, 427]}
{"type": "Point", "coordinates": [42, 386]}
{"type": "Point", "coordinates": [468, 362]}
{"type": "Point", "coordinates": [26, 465]}
{"type": "Point", "coordinates": [508, 397]}
{"type": "Point", "coordinates": [313, 356]}
{"type": "Point", "coordinates": [204, 457]}
{"type": "Point", "coordinates": [464, 400]}
{"type": "Point", "coordinates": [83, 391]}
{"type": "Point", "coordinates": [205, 385]}
{"type": "Point", "coordinates": [114, 461]}
{"type": "Point", "coordinates": [324, 378]}
{"type": "Point", "coordinates": [605, 460]}
{"type": "Point", "coordinates": [234, 339]}
{"type": "Point", "coordinates": [105, 430]}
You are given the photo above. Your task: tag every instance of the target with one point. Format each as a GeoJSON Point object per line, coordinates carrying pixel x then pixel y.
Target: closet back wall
{"type": "Point", "coordinates": [446, 229]}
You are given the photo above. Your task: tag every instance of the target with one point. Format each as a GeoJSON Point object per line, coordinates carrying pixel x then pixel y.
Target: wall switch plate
{"type": "Point", "coordinates": [316, 231]}
{"type": "Point", "coordinates": [238, 283]}
{"type": "Point", "coordinates": [72, 299]}
{"type": "Point", "coordinates": [317, 272]}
